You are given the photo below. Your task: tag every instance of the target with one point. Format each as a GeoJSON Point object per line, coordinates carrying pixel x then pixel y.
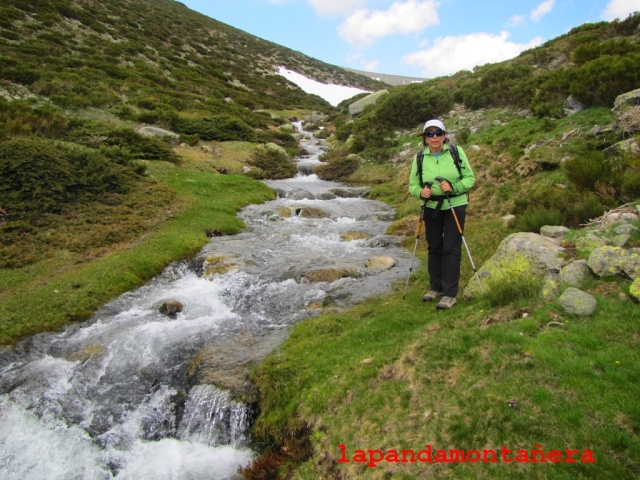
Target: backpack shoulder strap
{"type": "Point", "coordinates": [453, 148]}
{"type": "Point", "coordinates": [419, 159]}
{"type": "Point", "coordinates": [456, 159]}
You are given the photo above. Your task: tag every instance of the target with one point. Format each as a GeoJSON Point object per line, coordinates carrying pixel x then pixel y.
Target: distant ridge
{"type": "Point", "coordinates": [388, 79]}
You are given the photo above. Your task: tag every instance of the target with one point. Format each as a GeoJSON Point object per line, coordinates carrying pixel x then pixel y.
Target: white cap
{"type": "Point", "coordinates": [434, 123]}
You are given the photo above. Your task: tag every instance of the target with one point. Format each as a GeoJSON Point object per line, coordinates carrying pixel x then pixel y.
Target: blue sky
{"type": "Point", "coordinates": [416, 38]}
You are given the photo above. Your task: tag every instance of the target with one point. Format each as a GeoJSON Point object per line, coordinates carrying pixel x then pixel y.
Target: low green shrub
{"type": "Point", "coordinates": [35, 176]}
{"type": "Point", "coordinates": [616, 176]}
{"type": "Point", "coordinates": [585, 170]}
{"type": "Point", "coordinates": [512, 281]}
{"type": "Point", "coordinates": [218, 127]}
{"type": "Point", "coordinates": [40, 176]}
{"type": "Point", "coordinates": [533, 218]}
{"type": "Point", "coordinates": [272, 162]}
{"type": "Point", "coordinates": [338, 168]}
{"type": "Point", "coordinates": [141, 147]}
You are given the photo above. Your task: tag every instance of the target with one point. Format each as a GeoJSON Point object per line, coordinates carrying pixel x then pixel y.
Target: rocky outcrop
{"type": "Point", "coordinates": [576, 273]}
{"type": "Point", "coordinates": [359, 105]}
{"type": "Point", "coordinates": [530, 255]}
{"type": "Point", "coordinates": [577, 302]}
{"type": "Point", "coordinates": [149, 131]}
{"type": "Point", "coordinates": [332, 274]}
{"type": "Point", "coordinates": [380, 263]}
{"type": "Point", "coordinates": [227, 366]}
{"type": "Point", "coordinates": [171, 307]}
{"type": "Point", "coordinates": [523, 251]}
{"type": "Point", "coordinates": [626, 101]}
{"type": "Point", "coordinates": [354, 235]}
{"type": "Point", "coordinates": [626, 107]}
{"type": "Point", "coordinates": [610, 261]}
{"type": "Point", "coordinates": [573, 105]}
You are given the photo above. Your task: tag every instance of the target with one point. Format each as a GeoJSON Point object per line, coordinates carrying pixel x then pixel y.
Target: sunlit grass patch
{"type": "Point", "coordinates": [396, 374]}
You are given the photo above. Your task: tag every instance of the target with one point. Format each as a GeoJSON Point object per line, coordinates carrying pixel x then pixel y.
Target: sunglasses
{"type": "Point", "coordinates": [434, 133]}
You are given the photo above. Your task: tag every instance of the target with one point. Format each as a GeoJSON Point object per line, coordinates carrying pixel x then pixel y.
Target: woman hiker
{"type": "Point", "coordinates": [432, 180]}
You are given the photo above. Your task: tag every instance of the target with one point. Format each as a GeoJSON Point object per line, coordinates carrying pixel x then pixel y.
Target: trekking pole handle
{"type": "Point", "coordinates": [440, 180]}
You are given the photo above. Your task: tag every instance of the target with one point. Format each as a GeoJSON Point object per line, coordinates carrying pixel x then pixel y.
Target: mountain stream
{"type": "Point", "coordinates": [134, 393]}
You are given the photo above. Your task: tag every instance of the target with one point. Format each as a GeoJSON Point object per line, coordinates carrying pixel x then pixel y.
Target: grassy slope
{"type": "Point", "coordinates": [397, 374]}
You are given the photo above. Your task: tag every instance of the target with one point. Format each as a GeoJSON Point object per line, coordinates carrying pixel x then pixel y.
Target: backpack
{"type": "Point", "coordinates": [454, 153]}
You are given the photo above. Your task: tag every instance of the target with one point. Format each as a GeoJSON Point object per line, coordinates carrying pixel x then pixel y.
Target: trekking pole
{"type": "Point", "coordinates": [455, 216]}
{"type": "Point", "coordinates": [415, 247]}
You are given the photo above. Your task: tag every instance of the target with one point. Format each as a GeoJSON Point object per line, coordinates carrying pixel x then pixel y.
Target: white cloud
{"type": "Point", "coordinates": [336, 7]}
{"type": "Point", "coordinates": [371, 65]}
{"type": "Point", "coordinates": [451, 54]}
{"type": "Point", "coordinates": [333, 94]}
{"type": "Point", "coordinates": [515, 21]}
{"type": "Point", "coordinates": [364, 26]}
{"type": "Point", "coordinates": [542, 9]}
{"type": "Point", "coordinates": [620, 9]}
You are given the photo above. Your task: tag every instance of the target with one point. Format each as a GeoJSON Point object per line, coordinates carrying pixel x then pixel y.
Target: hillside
{"type": "Point", "coordinates": [388, 78]}
{"type": "Point", "coordinates": [109, 54]}
{"type": "Point", "coordinates": [91, 74]}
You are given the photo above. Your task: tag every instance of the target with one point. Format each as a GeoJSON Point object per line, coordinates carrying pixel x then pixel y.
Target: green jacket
{"type": "Point", "coordinates": [442, 165]}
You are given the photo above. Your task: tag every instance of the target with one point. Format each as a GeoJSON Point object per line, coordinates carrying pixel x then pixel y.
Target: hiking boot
{"type": "Point", "coordinates": [431, 295]}
{"type": "Point", "coordinates": [446, 303]}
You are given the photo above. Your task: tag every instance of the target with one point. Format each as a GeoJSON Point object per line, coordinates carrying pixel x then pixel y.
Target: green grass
{"type": "Point", "coordinates": [66, 287]}
{"type": "Point", "coordinates": [394, 374]}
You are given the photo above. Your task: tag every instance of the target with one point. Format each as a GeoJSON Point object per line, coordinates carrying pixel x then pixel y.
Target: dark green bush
{"type": "Point", "coordinates": [533, 218]}
{"type": "Point", "coordinates": [589, 208]}
{"type": "Point", "coordinates": [600, 81]}
{"type": "Point", "coordinates": [141, 147]}
{"type": "Point", "coordinates": [586, 169]}
{"type": "Point", "coordinates": [22, 75]}
{"type": "Point", "coordinates": [35, 176]}
{"type": "Point", "coordinates": [408, 106]}
{"type": "Point", "coordinates": [218, 127]}
{"type": "Point", "coordinates": [279, 137]}
{"type": "Point", "coordinates": [500, 84]}
{"type": "Point", "coordinates": [614, 177]}
{"type": "Point", "coordinates": [338, 168]}
{"type": "Point", "coordinates": [191, 140]}
{"type": "Point", "coordinates": [343, 131]}
{"type": "Point", "coordinates": [273, 163]}
{"type": "Point", "coordinates": [41, 177]}
{"type": "Point", "coordinates": [597, 48]}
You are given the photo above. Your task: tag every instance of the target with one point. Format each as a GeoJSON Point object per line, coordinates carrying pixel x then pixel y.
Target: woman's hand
{"type": "Point", "coordinates": [446, 186]}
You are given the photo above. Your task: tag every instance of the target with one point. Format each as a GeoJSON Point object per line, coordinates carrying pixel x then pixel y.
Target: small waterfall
{"type": "Point", "coordinates": [212, 417]}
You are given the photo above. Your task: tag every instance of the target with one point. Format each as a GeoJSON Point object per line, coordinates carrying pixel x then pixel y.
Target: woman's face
{"type": "Point", "coordinates": [434, 137]}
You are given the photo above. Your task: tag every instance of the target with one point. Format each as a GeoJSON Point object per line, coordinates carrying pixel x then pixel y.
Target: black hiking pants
{"type": "Point", "coordinates": [444, 244]}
